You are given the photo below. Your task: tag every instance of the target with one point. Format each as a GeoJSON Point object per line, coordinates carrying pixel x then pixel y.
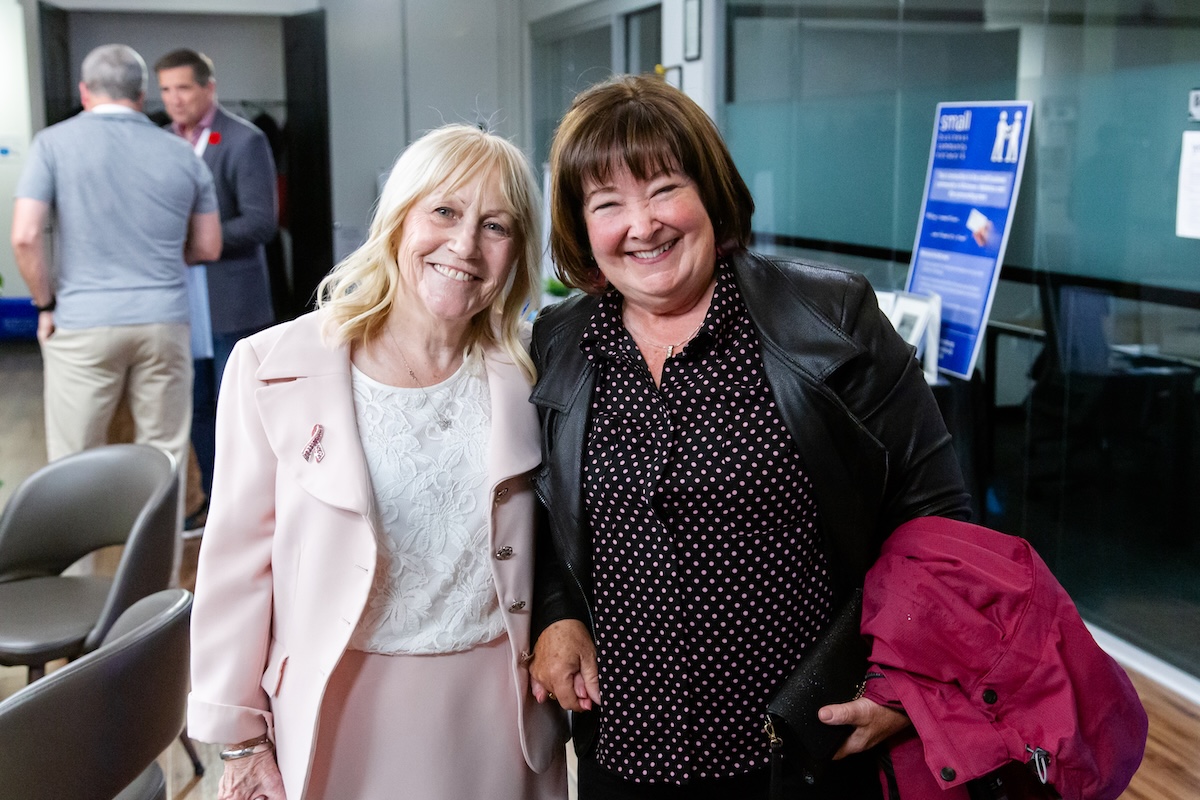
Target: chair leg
{"type": "Point", "coordinates": [197, 765]}
{"type": "Point", "coordinates": [35, 672]}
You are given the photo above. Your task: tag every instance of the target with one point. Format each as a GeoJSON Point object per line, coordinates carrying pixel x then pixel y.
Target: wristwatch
{"type": "Point", "coordinates": [49, 306]}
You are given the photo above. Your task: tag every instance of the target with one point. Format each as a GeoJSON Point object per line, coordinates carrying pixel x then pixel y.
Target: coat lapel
{"type": "Point", "coordinates": [308, 384]}
{"type": "Point", "coordinates": [514, 447]}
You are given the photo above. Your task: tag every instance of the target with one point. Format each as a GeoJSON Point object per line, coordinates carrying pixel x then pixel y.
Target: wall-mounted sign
{"type": "Point", "coordinates": [975, 165]}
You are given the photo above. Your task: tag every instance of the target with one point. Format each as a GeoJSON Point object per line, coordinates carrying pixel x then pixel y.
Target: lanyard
{"type": "Point", "coordinates": [202, 143]}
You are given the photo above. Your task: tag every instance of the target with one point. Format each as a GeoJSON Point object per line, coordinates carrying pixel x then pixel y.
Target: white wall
{"type": "Point", "coordinates": [14, 132]}
{"type": "Point", "coordinates": [398, 68]}
{"type": "Point", "coordinates": [367, 114]}
{"type": "Point", "coordinates": [278, 7]}
{"type": "Point", "coordinates": [246, 50]}
{"type": "Point", "coordinates": [700, 77]}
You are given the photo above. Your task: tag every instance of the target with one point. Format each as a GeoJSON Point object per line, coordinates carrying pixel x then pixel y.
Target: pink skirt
{"type": "Point", "coordinates": [436, 727]}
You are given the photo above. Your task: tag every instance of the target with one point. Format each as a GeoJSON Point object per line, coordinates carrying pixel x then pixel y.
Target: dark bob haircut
{"type": "Point", "coordinates": [647, 126]}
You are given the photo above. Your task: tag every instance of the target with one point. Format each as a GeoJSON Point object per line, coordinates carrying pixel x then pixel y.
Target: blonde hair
{"type": "Point", "coordinates": [359, 292]}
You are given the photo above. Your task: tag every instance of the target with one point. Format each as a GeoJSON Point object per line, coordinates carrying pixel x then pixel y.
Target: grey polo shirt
{"type": "Point", "coordinates": [122, 192]}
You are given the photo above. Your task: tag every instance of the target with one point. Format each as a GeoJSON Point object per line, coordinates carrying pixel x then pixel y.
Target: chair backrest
{"type": "Point", "coordinates": [91, 727]}
{"type": "Point", "coordinates": [80, 503]}
{"type": "Point", "coordinates": [123, 493]}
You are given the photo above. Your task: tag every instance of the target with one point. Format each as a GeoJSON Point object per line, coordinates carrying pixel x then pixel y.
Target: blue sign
{"type": "Point", "coordinates": [975, 165]}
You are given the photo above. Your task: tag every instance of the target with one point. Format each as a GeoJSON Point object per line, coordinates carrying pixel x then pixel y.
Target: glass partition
{"type": "Point", "coordinates": [1083, 426]}
{"type": "Point", "coordinates": [571, 56]}
{"type": "Point", "coordinates": [562, 67]}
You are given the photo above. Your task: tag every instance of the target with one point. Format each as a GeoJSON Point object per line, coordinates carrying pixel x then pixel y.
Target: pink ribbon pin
{"type": "Point", "coordinates": [313, 448]}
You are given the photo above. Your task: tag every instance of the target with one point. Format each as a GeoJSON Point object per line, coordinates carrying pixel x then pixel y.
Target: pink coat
{"type": "Point", "coordinates": [991, 661]}
{"type": "Point", "coordinates": [288, 553]}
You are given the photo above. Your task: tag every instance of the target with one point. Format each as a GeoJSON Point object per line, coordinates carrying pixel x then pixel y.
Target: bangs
{"type": "Point", "coordinates": [633, 138]}
{"type": "Point", "coordinates": [488, 164]}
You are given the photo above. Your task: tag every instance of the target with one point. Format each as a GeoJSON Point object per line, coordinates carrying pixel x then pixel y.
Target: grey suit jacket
{"type": "Point", "coordinates": [243, 170]}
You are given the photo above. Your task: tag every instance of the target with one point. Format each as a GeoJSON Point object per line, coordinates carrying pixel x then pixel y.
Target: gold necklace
{"type": "Point", "coordinates": [440, 416]}
{"type": "Point", "coordinates": [670, 348]}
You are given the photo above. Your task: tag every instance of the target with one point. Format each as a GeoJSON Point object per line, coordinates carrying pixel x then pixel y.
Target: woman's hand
{"type": "Point", "coordinates": [872, 723]}
{"type": "Point", "coordinates": [254, 777]}
{"type": "Point", "coordinates": [564, 667]}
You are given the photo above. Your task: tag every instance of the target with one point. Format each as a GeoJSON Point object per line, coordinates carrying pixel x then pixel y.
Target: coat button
{"type": "Point", "coordinates": [948, 773]}
{"type": "Point", "coordinates": [517, 606]}
{"type": "Point", "coordinates": [989, 696]}
{"type": "Point", "coordinates": [504, 553]}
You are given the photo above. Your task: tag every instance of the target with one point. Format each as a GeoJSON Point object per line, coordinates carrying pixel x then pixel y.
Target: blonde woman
{"type": "Point", "coordinates": [361, 626]}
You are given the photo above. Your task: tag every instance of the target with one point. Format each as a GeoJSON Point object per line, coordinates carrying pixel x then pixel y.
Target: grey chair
{"type": "Point", "coordinates": [94, 728]}
{"type": "Point", "coordinates": [118, 494]}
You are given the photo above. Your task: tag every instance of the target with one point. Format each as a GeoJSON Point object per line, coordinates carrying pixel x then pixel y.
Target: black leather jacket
{"type": "Point", "coordinates": [854, 399]}
{"type": "Point", "coordinates": [850, 393]}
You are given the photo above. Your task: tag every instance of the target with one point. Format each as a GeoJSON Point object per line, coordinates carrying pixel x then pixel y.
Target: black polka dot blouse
{"type": "Point", "coordinates": [710, 577]}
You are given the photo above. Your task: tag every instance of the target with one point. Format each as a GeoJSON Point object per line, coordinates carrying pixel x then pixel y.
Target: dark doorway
{"type": "Point", "coordinates": [57, 71]}
{"type": "Point", "coordinates": [310, 186]}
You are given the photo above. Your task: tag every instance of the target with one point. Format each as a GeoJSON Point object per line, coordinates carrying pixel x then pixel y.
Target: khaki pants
{"type": "Point", "coordinates": [87, 371]}
{"type": "Point", "coordinates": [121, 430]}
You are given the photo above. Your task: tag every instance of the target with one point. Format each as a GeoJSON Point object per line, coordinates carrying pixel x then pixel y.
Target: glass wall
{"type": "Point", "coordinates": [562, 67]}
{"type": "Point", "coordinates": [643, 40]}
{"type": "Point", "coordinates": [568, 58]}
{"type": "Point", "coordinates": [1082, 431]}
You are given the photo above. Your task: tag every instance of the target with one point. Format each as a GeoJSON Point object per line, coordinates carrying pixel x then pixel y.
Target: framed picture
{"type": "Point", "coordinates": [910, 317]}
{"type": "Point", "coordinates": [691, 30]}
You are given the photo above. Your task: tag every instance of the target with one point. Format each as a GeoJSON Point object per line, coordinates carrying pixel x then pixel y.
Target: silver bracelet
{"type": "Point", "coordinates": [260, 745]}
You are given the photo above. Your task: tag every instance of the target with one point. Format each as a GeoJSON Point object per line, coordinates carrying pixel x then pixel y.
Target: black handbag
{"type": "Point", "coordinates": [831, 671]}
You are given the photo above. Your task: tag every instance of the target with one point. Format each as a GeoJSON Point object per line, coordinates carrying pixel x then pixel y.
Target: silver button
{"type": "Point", "coordinates": [517, 606]}
{"type": "Point", "coordinates": [504, 553]}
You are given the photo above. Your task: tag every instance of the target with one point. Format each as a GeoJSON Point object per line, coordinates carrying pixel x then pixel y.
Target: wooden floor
{"type": "Point", "coordinates": [1170, 770]}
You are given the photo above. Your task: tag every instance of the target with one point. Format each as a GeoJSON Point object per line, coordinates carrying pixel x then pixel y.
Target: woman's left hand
{"type": "Point", "coordinates": [872, 723]}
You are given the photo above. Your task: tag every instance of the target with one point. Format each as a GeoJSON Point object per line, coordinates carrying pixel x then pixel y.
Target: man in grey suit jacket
{"type": "Point", "coordinates": [239, 157]}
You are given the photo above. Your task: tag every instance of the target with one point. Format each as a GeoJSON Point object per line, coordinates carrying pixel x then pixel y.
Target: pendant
{"type": "Point", "coordinates": [443, 422]}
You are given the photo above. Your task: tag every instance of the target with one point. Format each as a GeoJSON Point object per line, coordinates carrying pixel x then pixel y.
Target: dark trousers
{"type": "Point", "coordinates": [206, 386]}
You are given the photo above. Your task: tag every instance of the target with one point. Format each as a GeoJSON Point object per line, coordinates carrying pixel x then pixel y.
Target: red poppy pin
{"type": "Point", "coordinates": [214, 137]}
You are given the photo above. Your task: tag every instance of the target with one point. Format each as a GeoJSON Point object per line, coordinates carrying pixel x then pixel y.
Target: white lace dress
{"type": "Point", "coordinates": [421, 705]}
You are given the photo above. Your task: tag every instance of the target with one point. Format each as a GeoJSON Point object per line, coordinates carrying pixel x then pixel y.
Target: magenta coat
{"type": "Point", "coordinates": [991, 661]}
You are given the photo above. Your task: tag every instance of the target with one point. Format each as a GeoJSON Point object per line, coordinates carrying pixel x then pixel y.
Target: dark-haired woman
{"type": "Point", "coordinates": [727, 439]}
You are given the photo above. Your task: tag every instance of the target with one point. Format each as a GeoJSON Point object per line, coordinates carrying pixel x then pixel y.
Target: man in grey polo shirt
{"type": "Point", "coordinates": [132, 207]}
